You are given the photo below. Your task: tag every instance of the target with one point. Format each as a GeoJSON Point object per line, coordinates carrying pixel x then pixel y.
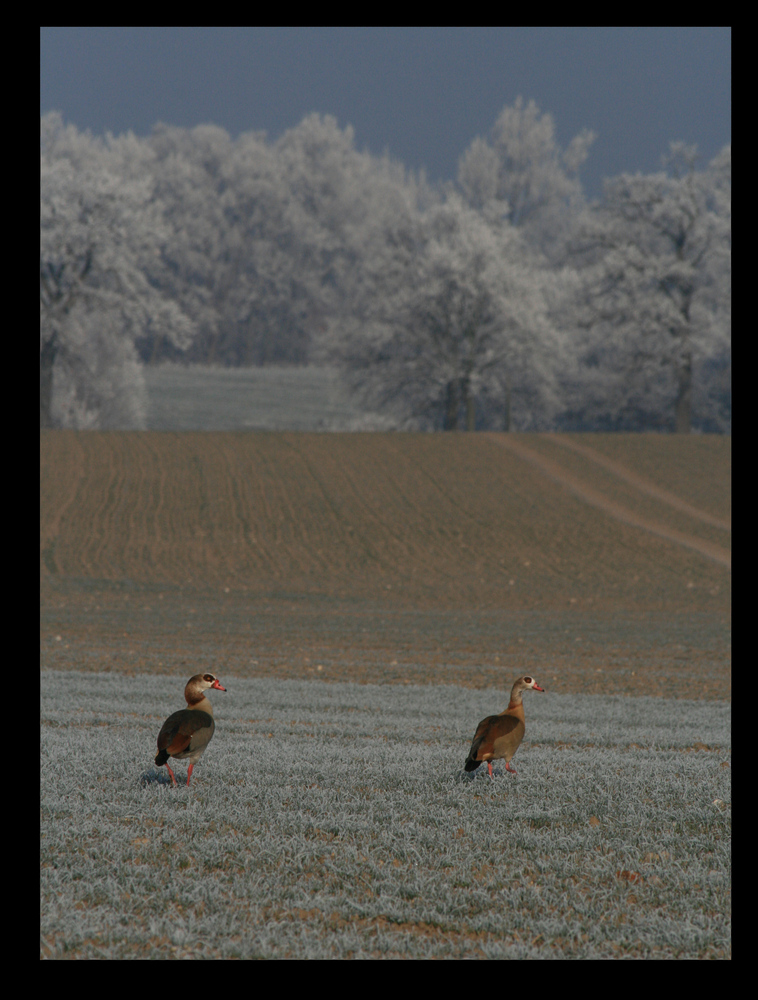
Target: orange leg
{"type": "Point", "coordinates": [489, 767]}
{"type": "Point", "coordinates": [189, 773]}
{"type": "Point", "coordinates": [509, 768]}
{"type": "Point", "coordinates": [172, 774]}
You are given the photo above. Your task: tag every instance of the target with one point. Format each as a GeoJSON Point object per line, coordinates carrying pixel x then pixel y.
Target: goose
{"type": "Point", "coordinates": [498, 736]}
{"type": "Point", "coordinates": [187, 733]}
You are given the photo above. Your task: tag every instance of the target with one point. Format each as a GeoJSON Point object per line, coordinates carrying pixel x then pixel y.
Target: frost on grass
{"type": "Point", "coordinates": [331, 820]}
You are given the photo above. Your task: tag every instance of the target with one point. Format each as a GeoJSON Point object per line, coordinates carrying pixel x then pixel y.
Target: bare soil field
{"type": "Point", "coordinates": [598, 562]}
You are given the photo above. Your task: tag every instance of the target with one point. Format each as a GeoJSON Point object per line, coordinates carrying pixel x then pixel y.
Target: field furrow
{"type": "Point", "coordinates": [433, 518]}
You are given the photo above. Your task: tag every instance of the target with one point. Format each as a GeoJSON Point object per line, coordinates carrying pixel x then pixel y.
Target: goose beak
{"type": "Point", "coordinates": [218, 686]}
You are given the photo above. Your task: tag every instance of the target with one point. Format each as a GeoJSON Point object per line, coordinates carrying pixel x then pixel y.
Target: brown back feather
{"type": "Point", "coordinates": [179, 728]}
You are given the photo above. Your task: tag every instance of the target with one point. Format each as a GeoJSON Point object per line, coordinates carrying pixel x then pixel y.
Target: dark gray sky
{"type": "Point", "coordinates": [420, 93]}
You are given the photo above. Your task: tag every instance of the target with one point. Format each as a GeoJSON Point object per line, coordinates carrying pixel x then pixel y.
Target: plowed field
{"type": "Point", "coordinates": [598, 562]}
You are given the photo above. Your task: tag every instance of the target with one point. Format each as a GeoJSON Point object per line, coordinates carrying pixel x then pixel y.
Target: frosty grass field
{"type": "Point", "coordinates": [334, 821]}
{"type": "Point", "coordinates": [181, 397]}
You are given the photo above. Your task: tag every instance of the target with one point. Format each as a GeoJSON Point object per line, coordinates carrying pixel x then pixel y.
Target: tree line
{"type": "Point", "coordinates": [502, 300]}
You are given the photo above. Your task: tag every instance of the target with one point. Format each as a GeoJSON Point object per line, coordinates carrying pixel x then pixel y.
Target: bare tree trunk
{"type": "Point", "coordinates": [470, 411]}
{"type": "Point", "coordinates": [683, 410]}
{"type": "Point", "coordinates": [450, 422]}
{"type": "Point", "coordinates": [157, 344]}
{"type": "Point", "coordinates": [211, 350]}
{"type": "Point", "coordinates": [46, 362]}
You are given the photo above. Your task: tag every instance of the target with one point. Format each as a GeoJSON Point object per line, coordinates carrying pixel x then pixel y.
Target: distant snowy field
{"type": "Point", "coordinates": [334, 820]}
{"type": "Point", "coordinates": [214, 398]}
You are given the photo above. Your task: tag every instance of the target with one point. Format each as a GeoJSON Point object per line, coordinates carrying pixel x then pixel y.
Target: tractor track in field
{"type": "Point", "coordinates": [576, 485]}
{"type": "Point", "coordinates": [639, 482]}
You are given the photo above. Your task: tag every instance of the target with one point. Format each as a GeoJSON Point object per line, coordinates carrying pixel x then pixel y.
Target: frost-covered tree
{"type": "Point", "coordinates": [262, 234]}
{"type": "Point", "coordinates": [337, 200]}
{"type": "Point", "coordinates": [234, 258]}
{"type": "Point", "coordinates": [283, 205]}
{"type": "Point", "coordinates": [188, 168]}
{"type": "Point", "coordinates": [101, 228]}
{"type": "Point", "coordinates": [449, 318]}
{"type": "Point", "coordinates": [522, 174]}
{"type": "Point", "coordinates": [653, 297]}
